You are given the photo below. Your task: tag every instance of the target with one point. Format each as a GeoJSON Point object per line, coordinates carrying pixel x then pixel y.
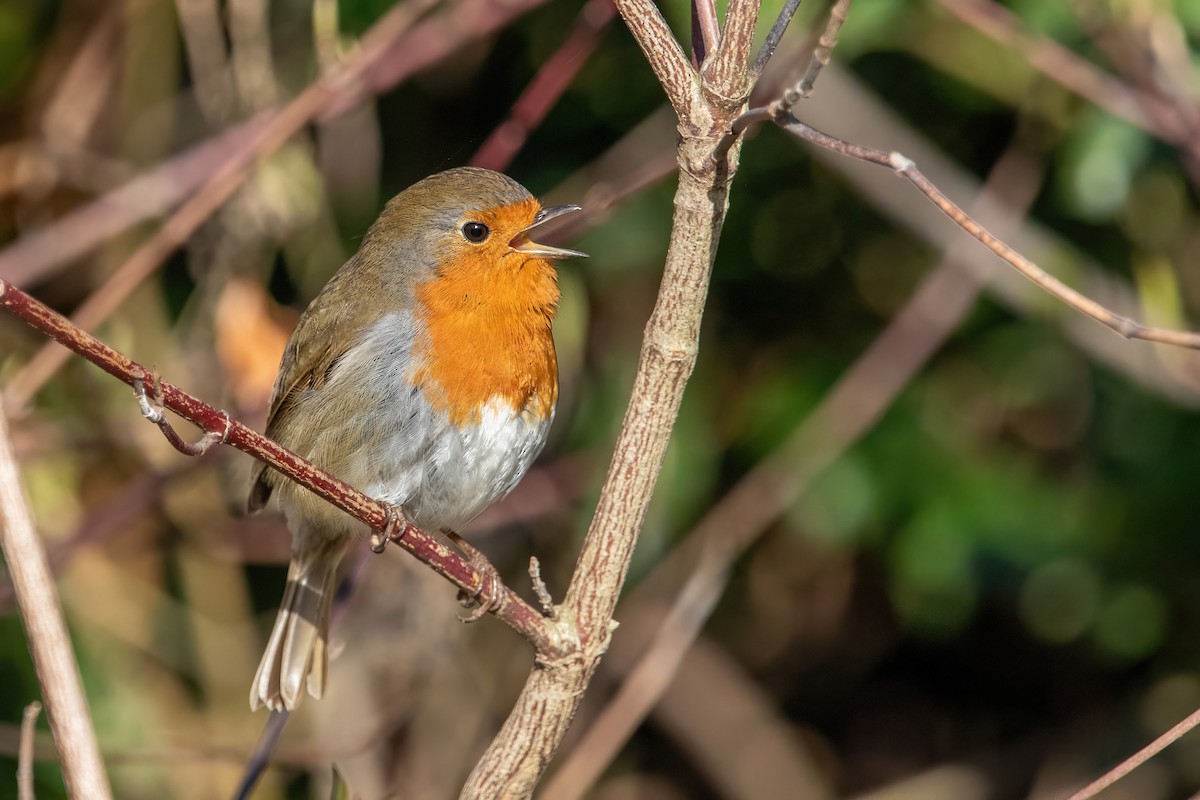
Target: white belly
{"type": "Point", "coordinates": [462, 470]}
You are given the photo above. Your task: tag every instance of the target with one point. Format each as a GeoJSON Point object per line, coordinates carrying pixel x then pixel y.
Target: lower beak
{"type": "Point", "coordinates": [522, 243]}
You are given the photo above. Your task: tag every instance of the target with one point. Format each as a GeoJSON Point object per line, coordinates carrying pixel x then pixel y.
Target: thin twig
{"type": "Point", "coordinates": [25, 752]}
{"type": "Point", "coordinates": [774, 36]}
{"type": "Point", "coordinates": [782, 106]}
{"type": "Point", "coordinates": [49, 643]}
{"type": "Point", "coordinates": [513, 610]}
{"type": "Point", "coordinates": [1137, 759]}
{"type": "Point", "coordinates": [904, 167]}
{"type": "Point", "coordinates": [823, 51]}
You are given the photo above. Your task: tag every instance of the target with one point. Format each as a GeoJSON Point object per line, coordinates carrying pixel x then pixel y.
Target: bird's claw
{"type": "Point", "coordinates": [489, 594]}
{"type": "Point", "coordinates": [393, 531]}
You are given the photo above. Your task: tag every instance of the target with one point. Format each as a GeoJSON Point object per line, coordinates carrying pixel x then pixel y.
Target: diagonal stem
{"type": "Point", "coordinates": [49, 642]}
{"type": "Point", "coordinates": [904, 167]}
{"type": "Point", "coordinates": [774, 36]}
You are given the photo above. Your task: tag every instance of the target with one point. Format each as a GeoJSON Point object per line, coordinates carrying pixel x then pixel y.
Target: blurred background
{"type": "Point", "coordinates": [944, 528]}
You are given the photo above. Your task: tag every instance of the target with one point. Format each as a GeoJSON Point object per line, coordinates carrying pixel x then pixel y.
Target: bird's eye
{"type": "Point", "coordinates": [475, 232]}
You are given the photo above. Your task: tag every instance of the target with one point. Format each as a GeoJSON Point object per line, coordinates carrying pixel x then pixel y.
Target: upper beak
{"type": "Point", "coordinates": [523, 243]}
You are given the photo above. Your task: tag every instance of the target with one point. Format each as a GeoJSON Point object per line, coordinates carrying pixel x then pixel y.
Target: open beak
{"type": "Point", "coordinates": [524, 244]}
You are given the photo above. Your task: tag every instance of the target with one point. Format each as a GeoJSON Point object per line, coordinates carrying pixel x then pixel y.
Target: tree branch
{"type": "Point", "coordinates": [774, 36]}
{"type": "Point", "coordinates": [1137, 759]}
{"type": "Point", "coordinates": [517, 757]}
{"type": "Point", "coordinates": [49, 642]}
{"type": "Point", "coordinates": [512, 610]}
{"type": "Point", "coordinates": [904, 167]}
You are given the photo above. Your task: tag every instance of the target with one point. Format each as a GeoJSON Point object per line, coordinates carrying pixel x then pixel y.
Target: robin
{"type": "Point", "coordinates": [423, 374]}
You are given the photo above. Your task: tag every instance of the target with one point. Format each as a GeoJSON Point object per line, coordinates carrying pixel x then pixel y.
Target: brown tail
{"type": "Point", "coordinates": [296, 653]}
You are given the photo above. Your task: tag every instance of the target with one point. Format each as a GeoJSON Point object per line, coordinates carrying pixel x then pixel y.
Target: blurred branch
{"type": "Point", "coordinates": [106, 519]}
{"type": "Point", "coordinates": [39, 254]}
{"type": "Point", "coordinates": [512, 609]}
{"type": "Point", "coordinates": [850, 408]}
{"type": "Point", "coordinates": [1137, 759]}
{"type": "Point", "coordinates": [25, 753]}
{"type": "Point", "coordinates": [49, 642]}
{"type": "Point", "coordinates": [1067, 69]}
{"type": "Point", "coordinates": [735, 733]}
{"type": "Point", "coordinates": [552, 79]}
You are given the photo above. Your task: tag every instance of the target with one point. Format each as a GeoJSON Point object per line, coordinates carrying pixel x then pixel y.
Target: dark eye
{"type": "Point", "coordinates": [475, 232]}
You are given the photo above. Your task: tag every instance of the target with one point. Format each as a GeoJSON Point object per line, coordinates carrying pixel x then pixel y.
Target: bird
{"type": "Point", "coordinates": [423, 374]}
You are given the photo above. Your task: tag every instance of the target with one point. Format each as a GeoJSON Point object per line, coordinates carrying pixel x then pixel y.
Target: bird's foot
{"type": "Point", "coordinates": [489, 595]}
{"type": "Point", "coordinates": [393, 531]}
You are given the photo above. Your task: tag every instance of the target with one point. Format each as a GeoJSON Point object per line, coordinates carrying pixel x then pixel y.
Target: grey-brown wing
{"type": "Point", "coordinates": [327, 329]}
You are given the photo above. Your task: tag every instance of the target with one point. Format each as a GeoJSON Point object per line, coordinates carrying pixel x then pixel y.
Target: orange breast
{"type": "Point", "coordinates": [487, 319]}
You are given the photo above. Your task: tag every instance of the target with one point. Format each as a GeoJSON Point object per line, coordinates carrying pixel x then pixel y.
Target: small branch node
{"type": "Point", "coordinates": [902, 164]}
{"type": "Point", "coordinates": [539, 588]}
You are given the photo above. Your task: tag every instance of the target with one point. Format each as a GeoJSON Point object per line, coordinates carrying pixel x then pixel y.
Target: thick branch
{"type": "Point", "coordinates": [49, 643]}
{"type": "Point", "coordinates": [849, 410]}
{"type": "Point", "coordinates": [514, 611]}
